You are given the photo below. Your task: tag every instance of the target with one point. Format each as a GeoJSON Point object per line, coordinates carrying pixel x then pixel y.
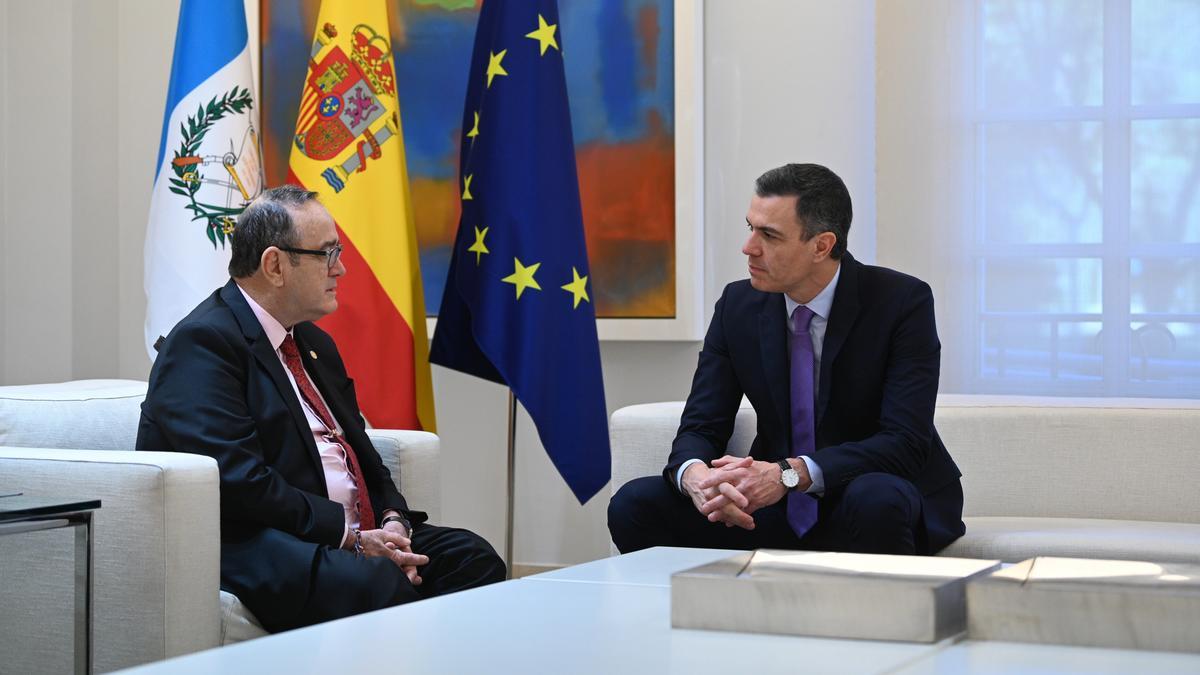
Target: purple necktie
{"type": "Point", "coordinates": [802, 507]}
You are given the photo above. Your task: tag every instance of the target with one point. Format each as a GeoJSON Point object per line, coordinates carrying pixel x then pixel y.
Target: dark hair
{"type": "Point", "coordinates": [822, 204]}
{"type": "Point", "coordinates": [266, 222]}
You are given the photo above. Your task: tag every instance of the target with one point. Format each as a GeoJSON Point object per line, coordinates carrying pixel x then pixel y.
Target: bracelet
{"type": "Point", "coordinates": [358, 549]}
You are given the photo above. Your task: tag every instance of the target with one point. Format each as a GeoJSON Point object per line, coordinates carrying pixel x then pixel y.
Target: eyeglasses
{"type": "Point", "coordinates": [332, 255]}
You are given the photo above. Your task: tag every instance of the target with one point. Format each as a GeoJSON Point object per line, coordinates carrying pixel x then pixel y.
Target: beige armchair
{"type": "Point", "coordinates": [156, 537]}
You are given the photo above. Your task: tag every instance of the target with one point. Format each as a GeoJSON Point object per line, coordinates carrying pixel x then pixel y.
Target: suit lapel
{"type": "Point", "coordinates": [772, 338]}
{"type": "Point", "coordinates": [260, 346]}
{"type": "Point", "coordinates": [841, 319]}
{"type": "Point", "coordinates": [316, 371]}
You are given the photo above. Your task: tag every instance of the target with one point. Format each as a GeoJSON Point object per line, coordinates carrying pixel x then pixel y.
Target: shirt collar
{"type": "Point", "coordinates": [271, 326]}
{"type": "Point", "coordinates": [822, 303]}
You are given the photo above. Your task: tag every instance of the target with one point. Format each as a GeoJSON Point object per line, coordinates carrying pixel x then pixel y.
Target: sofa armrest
{"type": "Point", "coordinates": [641, 440]}
{"type": "Point", "coordinates": [642, 436]}
{"type": "Point", "coordinates": [412, 457]}
{"type": "Point", "coordinates": [156, 557]}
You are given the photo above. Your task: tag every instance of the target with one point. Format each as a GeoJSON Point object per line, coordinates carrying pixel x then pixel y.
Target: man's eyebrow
{"type": "Point", "coordinates": [764, 228]}
{"type": "Point", "coordinates": [329, 243]}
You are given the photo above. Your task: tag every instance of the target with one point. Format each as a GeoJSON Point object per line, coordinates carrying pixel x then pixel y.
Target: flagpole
{"type": "Point", "coordinates": [512, 482]}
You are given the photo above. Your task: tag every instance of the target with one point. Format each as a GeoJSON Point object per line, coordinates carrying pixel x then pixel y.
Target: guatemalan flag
{"type": "Point", "coordinates": [209, 162]}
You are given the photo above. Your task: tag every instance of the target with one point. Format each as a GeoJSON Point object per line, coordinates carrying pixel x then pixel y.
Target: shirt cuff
{"type": "Point", "coordinates": [345, 536]}
{"type": "Point", "coordinates": [817, 476]}
{"type": "Point", "coordinates": [679, 474]}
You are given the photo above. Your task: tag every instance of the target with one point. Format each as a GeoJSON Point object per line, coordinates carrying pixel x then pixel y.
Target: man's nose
{"type": "Point", "coordinates": [751, 245]}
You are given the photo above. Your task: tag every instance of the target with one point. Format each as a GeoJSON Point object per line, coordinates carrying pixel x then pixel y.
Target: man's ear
{"type": "Point", "coordinates": [271, 263]}
{"type": "Point", "coordinates": [825, 242]}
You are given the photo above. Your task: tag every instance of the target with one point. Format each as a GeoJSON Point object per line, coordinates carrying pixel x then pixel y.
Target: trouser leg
{"type": "Point", "coordinates": [648, 512]}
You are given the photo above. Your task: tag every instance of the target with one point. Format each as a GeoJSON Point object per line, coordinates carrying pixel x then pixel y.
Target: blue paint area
{"type": "Point", "coordinates": [611, 98]}
{"type": "Point", "coordinates": [289, 38]}
{"type": "Point", "coordinates": [209, 35]}
{"type": "Point", "coordinates": [618, 53]}
{"type": "Point", "coordinates": [431, 83]}
{"type": "Point", "coordinates": [602, 55]}
{"type": "Point", "coordinates": [435, 265]}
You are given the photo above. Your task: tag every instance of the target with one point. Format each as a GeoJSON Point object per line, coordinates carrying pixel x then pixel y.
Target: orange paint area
{"type": "Point", "coordinates": [628, 197]}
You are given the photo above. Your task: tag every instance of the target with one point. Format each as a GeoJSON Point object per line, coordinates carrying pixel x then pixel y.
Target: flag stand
{"type": "Point", "coordinates": [512, 482]}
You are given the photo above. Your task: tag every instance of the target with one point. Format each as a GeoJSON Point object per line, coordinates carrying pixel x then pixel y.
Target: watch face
{"type": "Point", "coordinates": [791, 478]}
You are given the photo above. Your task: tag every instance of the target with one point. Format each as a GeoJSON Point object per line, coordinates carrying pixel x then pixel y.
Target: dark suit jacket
{"type": "Point", "coordinates": [218, 389]}
{"type": "Point", "coordinates": [877, 387]}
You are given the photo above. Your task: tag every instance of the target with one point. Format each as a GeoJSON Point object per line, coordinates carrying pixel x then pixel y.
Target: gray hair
{"type": "Point", "coordinates": [266, 222]}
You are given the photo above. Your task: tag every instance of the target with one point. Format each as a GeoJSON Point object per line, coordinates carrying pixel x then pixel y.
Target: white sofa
{"type": "Point", "coordinates": [1102, 478]}
{"type": "Point", "coordinates": [156, 545]}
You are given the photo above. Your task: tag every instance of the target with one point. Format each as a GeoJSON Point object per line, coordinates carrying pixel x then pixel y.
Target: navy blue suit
{"type": "Point", "coordinates": [875, 437]}
{"type": "Point", "coordinates": [218, 389]}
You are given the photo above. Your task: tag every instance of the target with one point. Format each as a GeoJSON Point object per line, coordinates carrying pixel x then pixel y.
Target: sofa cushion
{"type": "Point", "coordinates": [1013, 539]}
{"type": "Point", "coordinates": [84, 414]}
{"type": "Point", "coordinates": [237, 623]}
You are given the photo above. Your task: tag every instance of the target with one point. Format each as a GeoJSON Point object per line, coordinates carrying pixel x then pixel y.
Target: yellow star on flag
{"type": "Point", "coordinates": [467, 187]}
{"type": "Point", "coordinates": [522, 277]}
{"type": "Point", "coordinates": [475, 129]}
{"type": "Point", "coordinates": [478, 248]}
{"type": "Point", "coordinates": [494, 68]}
{"type": "Point", "coordinates": [544, 34]}
{"type": "Point", "coordinates": [578, 288]}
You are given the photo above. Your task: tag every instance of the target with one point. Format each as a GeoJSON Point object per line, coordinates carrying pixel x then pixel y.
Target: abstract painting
{"type": "Point", "coordinates": [619, 56]}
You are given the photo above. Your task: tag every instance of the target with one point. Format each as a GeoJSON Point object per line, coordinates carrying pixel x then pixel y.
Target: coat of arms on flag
{"type": "Point", "coordinates": [342, 100]}
{"type": "Point", "coordinates": [349, 138]}
{"type": "Point", "coordinates": [220, 177]}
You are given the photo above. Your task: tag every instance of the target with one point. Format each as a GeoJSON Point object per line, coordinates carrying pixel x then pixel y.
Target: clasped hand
{"type": "Point", "coordinates": [733, 489]}
{"type": "Point", "coordinates": [393, 543]}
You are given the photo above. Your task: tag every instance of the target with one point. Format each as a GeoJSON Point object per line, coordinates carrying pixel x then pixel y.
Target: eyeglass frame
{"type": "Point", "coordinates": [332, 254]}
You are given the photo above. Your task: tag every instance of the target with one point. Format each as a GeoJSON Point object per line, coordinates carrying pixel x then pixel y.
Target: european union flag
{"type": "Point", "coordinates": [517, 308]}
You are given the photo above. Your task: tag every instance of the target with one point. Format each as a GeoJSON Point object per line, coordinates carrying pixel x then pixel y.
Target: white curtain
{"type": "Point", "coordinates": [1039, 165]}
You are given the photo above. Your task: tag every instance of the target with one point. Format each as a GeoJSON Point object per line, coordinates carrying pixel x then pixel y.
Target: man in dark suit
{"type": "Point", "coordinates": [840, 361]}
{"type": "Point", "coordinates": [312, 525]}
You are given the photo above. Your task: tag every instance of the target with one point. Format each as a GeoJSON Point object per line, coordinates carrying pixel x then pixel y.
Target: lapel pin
{"type": "Point", "coordinates": [312, 354]}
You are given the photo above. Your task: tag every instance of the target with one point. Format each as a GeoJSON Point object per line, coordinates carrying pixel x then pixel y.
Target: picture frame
{"type": "Point", "coordinates": [685, 323]}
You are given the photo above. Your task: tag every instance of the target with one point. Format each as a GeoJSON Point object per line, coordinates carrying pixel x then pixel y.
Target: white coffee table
{"type": "Point", "coordinates": [606, 616]}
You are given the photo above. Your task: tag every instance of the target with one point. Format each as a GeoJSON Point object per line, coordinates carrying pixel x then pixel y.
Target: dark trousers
{"type": "Point", "coordinates": [340, 584]}
{"type": "Point", "coordinates": [875, 513]}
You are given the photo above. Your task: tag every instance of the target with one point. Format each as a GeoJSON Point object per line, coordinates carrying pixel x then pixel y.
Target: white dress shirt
{"type": "Point", "coordinates": [338, 481]}
{"type": "Point", "coordinates": [820, 305]}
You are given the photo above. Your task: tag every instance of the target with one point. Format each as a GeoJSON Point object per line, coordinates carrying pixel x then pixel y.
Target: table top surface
{"type": "Point", "coordinates": [22, 506]}
{"type": "Point", "coordinates": [613, 615]}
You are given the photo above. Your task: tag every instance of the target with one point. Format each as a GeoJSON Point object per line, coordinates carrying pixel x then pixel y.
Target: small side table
{"type": "Point", "coordinates": [20, 513]}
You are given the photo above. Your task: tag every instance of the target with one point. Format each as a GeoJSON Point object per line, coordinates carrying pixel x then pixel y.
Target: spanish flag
{"type": "Point", "coordinates": [349, 147]}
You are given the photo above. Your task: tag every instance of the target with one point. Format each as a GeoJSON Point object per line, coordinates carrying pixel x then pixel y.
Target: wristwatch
{"type": "Point", "coordinates": [790, 478]}
{"type": "Point", "coordinates": [402, 520]}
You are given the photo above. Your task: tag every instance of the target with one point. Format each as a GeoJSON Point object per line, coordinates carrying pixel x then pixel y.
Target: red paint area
{"type": "Point", "coordinates": [628, 191]}
{"type": "Point", "coordinates": [648, 29]}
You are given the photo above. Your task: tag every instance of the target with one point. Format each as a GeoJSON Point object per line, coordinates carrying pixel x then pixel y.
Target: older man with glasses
{"type": "Point", "coordinates": [312, 525]}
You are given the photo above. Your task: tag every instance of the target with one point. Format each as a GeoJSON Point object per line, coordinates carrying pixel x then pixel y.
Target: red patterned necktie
{"type": "Point", "coordinates": [291, 356]}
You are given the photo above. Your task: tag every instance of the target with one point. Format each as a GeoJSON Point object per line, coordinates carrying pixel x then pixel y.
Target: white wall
{"type": "Point", "coordinates": [923, 108]}
{"type": "Point", "coordinates": [785, 81]}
